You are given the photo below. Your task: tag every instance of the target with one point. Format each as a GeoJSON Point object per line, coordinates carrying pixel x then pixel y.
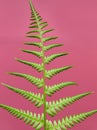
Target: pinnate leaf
{"type": "Point", "coordinates": [36, 99]}
{"type": "Point", "coordinates": [52, 46]}
{"type": "Point", "coordinates": [50, 90]}
{"type": "Point", "coordinates": [38, 54]}
{"type": "Point", "coordinates": [53, 72]}
{"type": "Point", "coordinates": [46, 31]}
{"type": "Point", "coordinates": [50, 58]}
{"type": "Point", "coordinates": [68, 122]}
{"type": "Point", "coordinates": [34, 36]}
{"type": "Point", "coordinates": [32, 119]}
{"type": "Point", "coordinates": [55, 106]}
{"type": "Point", "coordinates": [49, 38]}
{"type": "Point", "coordinates": [34, 44]}
{"type": "Point", "coordinates": [33, 31]}
{"type": "Point", "coordinates": [32, 64]}
{"type": "Point", "coordinates": [36, 81]}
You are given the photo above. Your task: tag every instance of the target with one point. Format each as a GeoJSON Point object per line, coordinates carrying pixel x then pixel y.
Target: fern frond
{"type": "Point", "coordinates": [50, 90]}
{"type": "Point", "coordinates": [34, 120]}
{"type": "Point", "coordinates": [55, 106]}
{"type": "Point", "coordinates": [38, 67]}
{"type": "Point", "coordinates": [37, 121]}
{"type": "Point", "coordinates": [36, 81]}
{"type": "Point", "coordinates": [36, 99]}
{"type": "Point", "coordinates": [38, 44]}
{"type": "Point", "coordinates": [50, 58]}
{"type": "Point", "coordinates": [53, 72]}
{"type": "Point", "coordinates": [46, 48]}
{"type": "Point", "coordinates": [69, 122]}
{"type": "Point", "coordinates": [38, 54]}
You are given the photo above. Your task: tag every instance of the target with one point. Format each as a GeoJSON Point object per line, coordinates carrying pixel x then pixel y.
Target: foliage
{"type": "Point", "coordinates": [38, 121]}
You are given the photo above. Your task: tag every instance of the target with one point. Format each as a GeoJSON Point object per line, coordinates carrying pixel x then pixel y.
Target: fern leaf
{"type": "Point", "coordinates": [69, 122]}
{"type": "Point", "coordinates": [34, 19]}
{"type": "Point", "coordinates": [36, 99]}
{"type": "Point", "coordinates": [46, 48]}
{"type": "Point", "coordinates": [34, 36]}
{"type": "Point", "coordinates": [49, 38]}
{"type": "Point", "coordinates": [46, 31]}
{"type": "Point", "coordinates": [43, 26]}
{"type": "Point", "coordinates": [35, 26]}
{"type": "Point", "coordinates": [34, 65]}
{"type": "Point", "coordinates": [38, 54]}
{"type": "Point", "coordinates": [43, 23]}
{"type": "Point", "coordinates": [50, 90]}
{"type": "Point", "coordinates": [28, 117]}
{"type": "Point", "coordinates": [38, 44]}
{"type": "Point", "coordinates": [33, 31]}
{"type": "Point", "coordinates": [54, 56]}
{"type": "Point", "coordinates": [33, 23]}
{"type": "Point", "coordinates": [55, 106]}
{"type": "Point", "coordinates": [53, 72]}
{"type": "Point", "coordinates": [36, 81]}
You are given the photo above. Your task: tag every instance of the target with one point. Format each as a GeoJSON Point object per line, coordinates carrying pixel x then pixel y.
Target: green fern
{"type": "Point", "coordinates": [38, 121]}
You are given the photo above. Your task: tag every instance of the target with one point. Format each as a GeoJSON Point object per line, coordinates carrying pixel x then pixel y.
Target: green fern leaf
{"type": "Point", "coordinates": [38, 54]}
{"type": "Point", "coordinates": [28, 117]}
{"type": "Point", "coordinates": [46, 48]}
{"type": "Point", "coordinates": [53, 72]}
{"type": "Point", "coordinates": [38, 18]}
{"type": "Point", "coordinates": [54, 56]}
{"type": "Point", "coordinates": [34, 19]}
{"type": "Point", "coordinates": [43, 23]}
{"type": "Point", "coordinates": [37, 99]}
{"type": "Point", "coordinates": [55, 106]}
{"type": "Point", "coordinates": [49, 38]}
{"type": "Point", "coordinates": [33, 26]}
{"type": "Point", "coordinates": [36, 81]}
{"type": "Point", "coordinates": [34, 36]}
{"type": "Point", "coordinates": [69, 122]}
{"type": "Point", "coordinates": [33, 23]}
{"type": "Point", "coordinates": [50, 90]}
{"type": "Point", "coordinates": [34, 44]}
{"type": "Point", "coordinates": [33, 31]}
{"type": "Point", "coordinates": [34, 65]}
{"type": "Point", "coordinates": [46, 24]}
{"type": "Point", "coordinates": [46, 31]}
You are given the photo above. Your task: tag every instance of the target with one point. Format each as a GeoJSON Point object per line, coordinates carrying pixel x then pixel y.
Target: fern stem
{"type": "Point", "coordinates": [43, 61]}
{"type": "Point", "coordinates": [44, 78]}
{"type": "Point", "coordinates": [44, 93]}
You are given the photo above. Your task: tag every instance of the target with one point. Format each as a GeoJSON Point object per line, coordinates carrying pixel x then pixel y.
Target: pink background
{"type": "Point", "coordinates": [75, 22]}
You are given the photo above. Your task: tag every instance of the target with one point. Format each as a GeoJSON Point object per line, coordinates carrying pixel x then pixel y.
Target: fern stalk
{"type": "Point", "coordinates": [43, 61]}
{"type": "Point", "coordinates": [44, 78]}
